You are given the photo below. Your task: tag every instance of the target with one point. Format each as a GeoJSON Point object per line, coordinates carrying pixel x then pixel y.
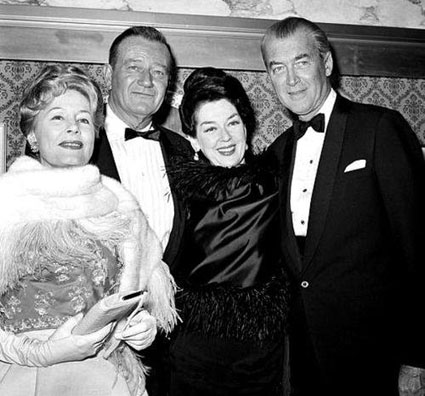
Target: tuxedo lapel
{"type": "Point", "coordinates": [171, 251]}
{"type": "Point", "coordinates": [103, 157]}
{"type": "Point", "coordinates": [287, 167]}
{"type": "Point", "coordinates": [325, 179]}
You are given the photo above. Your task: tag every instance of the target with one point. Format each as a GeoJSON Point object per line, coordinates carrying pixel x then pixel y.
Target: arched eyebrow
{"type": "Point", "coordinates": [83, 111]}
{"type": "Point", "coordinates": [236, 114]}
{"type": "Point", "coordinates": [58, 108]}
{"type": "Point", "coordinates": [207, 123]}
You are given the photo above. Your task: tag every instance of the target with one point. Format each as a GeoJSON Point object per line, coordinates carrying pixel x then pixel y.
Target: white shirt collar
{"type": "Point", "coordinates": [328, 106]}
{"type": "Point", "coordinates": [115, 127]}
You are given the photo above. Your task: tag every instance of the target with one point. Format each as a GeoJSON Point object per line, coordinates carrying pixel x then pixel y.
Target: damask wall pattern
{"type": "Point", "coordinates": [405, 95]}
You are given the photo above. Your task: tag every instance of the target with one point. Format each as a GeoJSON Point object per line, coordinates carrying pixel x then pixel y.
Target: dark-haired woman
{"type": "Point", "coordinates": [233, 294]}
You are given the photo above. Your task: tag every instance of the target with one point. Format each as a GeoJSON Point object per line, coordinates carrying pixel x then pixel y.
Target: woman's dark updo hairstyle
{"type": "Point", "coordinates": [210, 85]}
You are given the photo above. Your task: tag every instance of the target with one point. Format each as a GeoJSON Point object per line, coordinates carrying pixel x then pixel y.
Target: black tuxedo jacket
{"type": "Point", "coordinates": [358, 286]}
{"type": "Point", "coordinates": [172, 144]}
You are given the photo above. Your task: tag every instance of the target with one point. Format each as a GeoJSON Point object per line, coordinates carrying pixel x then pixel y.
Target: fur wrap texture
{"type": "Point", "coordinates": [60, 208]}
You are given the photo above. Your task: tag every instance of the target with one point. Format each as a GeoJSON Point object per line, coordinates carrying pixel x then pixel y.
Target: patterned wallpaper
{"type": "Point", "coordinates": [405, 95]}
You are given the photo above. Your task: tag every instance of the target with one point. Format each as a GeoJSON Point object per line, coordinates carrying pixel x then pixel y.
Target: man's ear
{"type": "Point", "coordinates": [329, 64]}
{"type": "Point", "coordinates": [107, 74]}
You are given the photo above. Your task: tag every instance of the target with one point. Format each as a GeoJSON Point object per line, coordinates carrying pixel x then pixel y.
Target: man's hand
{"type": "Point", "coordinates": [411, 381]}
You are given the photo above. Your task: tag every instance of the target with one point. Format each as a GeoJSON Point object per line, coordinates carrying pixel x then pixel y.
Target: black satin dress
{"type": "Point", "coordinates": [233, 296]}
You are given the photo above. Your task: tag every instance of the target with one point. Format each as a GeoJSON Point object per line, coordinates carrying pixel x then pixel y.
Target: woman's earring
{"type": "Point", "coordinates": [196, 156]}
{"type": "Point", "coordinates": [34, 147]}
{"type": "Point", "coordinates": [32, 141]}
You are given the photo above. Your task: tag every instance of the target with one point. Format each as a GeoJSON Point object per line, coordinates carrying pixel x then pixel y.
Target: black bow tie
{"type": "Point", "coordinates": [152, 134]}
{"type": "Point", "coordinates": [317, 123]}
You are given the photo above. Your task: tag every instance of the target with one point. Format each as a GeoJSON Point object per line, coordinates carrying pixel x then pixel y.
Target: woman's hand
{"type": "Point", "coordinates": [65, 345]}
{"type": "Point", "coordinates": [62, 346]}
{"type": "Point", "coordinates": [140, 332]}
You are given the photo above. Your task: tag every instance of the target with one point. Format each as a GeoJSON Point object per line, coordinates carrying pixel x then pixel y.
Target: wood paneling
{"type": "Point", "coordinates": [84, 35]}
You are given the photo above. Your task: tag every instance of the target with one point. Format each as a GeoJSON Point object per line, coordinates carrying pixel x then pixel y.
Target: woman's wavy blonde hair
{"type": "Point", "coordinates": [53, 81]}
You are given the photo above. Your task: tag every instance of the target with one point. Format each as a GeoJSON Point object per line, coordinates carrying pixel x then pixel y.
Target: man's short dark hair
{"type": "Point", "coordinates": [146, 32]}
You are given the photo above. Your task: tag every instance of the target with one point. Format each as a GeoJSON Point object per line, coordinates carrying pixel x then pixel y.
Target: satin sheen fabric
{"type": "Point", "coordinates": [229, 239]}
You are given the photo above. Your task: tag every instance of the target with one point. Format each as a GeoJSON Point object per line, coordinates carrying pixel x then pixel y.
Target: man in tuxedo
{"type": "Point", "coordinates": [352, 180]}
{"type": "Point", "coordinates": [134, 149]}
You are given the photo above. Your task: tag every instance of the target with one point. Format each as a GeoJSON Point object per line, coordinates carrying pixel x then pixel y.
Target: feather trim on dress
{"type": "Point", "coordinates": [201, 180]}
{"type": "Point", "coordinates": [257, 314]}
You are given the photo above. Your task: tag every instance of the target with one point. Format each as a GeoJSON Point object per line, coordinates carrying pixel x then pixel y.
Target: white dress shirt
{"type": "Point", "coordinates": [141, 169]}
{"type": "Point", "coordinates": [308, 151]}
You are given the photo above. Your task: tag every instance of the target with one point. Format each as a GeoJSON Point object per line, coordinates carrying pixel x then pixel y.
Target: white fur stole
{"type": "Point", "coordinates": [35, 200]}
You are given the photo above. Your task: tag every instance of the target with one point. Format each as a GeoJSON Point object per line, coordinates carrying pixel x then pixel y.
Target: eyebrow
{"type": "Point", "coordinates": [233, 115]}
{"type": "Point", "coordinates": [207, 123]}
{"type": "Point", "coordinates": [63, 108]}
{"type": "Point", "coordinates": [160, 64]}
{"type": "Point", "coordinates": [306, 55]}
{"type": "Point", "coordinates": [298, 57]}
{"type": "Point", "coordinates": [215, 122]}
{"type": "Point", "coordinates": [274, 63]}
{"type": "Point", "coordinates": [141, 60]}
{"type": "Point", "coordinates": [55, 108]}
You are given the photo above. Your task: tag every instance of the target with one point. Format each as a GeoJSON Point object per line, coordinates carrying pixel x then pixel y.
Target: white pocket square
{"type": "Point", "coordinates": [359, 164]}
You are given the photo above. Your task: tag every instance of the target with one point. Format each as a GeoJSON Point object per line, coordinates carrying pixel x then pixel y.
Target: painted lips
{"type": "Point", "coordinates": [72, 145]}
{"type": "Point", "coordinates": [227, 150]}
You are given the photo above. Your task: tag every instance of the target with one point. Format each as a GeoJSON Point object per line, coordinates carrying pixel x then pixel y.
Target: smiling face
{"type": "Point", "coordinates": [139, 80]}
{"type": "Point", "coordinates": [64, 131]}
{"type": "Point", "coordinates": [298, 73]}
{"type": "Point", "coordinates": [220, 133]}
